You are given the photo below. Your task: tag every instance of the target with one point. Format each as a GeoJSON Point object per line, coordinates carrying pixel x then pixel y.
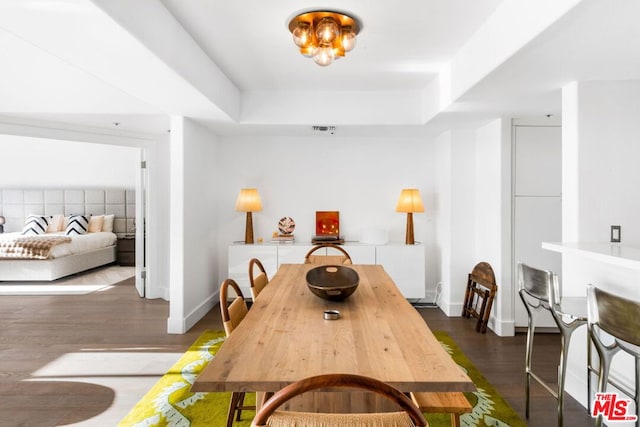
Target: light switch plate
{"type": "Point", "coordinates": [615, 233]}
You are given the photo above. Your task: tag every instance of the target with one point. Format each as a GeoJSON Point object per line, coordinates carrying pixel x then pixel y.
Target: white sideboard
{"type": "Point", "coordinates": [404, 263]}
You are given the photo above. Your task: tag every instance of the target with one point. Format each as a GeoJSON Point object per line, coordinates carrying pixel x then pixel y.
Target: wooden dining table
{"type": "Point", "coordinates": [285, 338]}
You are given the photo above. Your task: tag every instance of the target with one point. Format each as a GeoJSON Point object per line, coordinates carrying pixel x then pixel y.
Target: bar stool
{"type": "Point", "coordinates": [540, 290]}
{"type": "Point", "coordinates": [614, 325]}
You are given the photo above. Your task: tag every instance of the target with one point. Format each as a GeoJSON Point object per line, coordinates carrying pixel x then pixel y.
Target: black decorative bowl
{"type": "Point", "coordinates": [332, 282]}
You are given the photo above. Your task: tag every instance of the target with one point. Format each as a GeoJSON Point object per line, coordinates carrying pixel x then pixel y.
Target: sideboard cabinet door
{"type": "Point", "coordinates": [293, 253]}
{"type": "Point", "coordinates": [405, 265]}
{"type": "Point", "coordinates": [359, 253]}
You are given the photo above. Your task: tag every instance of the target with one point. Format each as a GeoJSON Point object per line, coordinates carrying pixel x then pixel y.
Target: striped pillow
{"type": "Point", "coordinates": [35, 224]}
{"type": "Point", "coordinates": [78, 224]}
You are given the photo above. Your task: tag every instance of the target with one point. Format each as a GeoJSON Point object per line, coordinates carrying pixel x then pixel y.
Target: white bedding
{"type": "Point", "coordinates": [79, 243]}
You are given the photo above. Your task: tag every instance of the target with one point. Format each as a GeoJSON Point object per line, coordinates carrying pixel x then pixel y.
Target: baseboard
{"type": "Point", "coordinates": [180, 326]}
{"type": "Point", "coordinates": [154, 293]}
{"type": "Point", "coordinates": [502, 329]}
{"type": "Point", "coordinates": [539, 330]}
{"type": "Point", "coordinates": [451, 310]}
{"type": "Point", "coordinates": [175, 326]}
{"type": "Point", "coordinates": [202, 310]}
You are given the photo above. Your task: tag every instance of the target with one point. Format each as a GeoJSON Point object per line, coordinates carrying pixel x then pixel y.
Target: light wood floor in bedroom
{"type": "Point", "coordinates": [87, 359]}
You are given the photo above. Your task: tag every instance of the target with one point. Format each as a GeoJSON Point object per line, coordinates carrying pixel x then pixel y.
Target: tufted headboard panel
{"type": "Point", "coordinates": [16, 204]}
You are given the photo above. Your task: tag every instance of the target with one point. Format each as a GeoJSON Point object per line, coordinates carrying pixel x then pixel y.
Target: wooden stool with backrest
{"type": "Point", "coordinates": [409, 414]}
{"type": "Point", "coordinates": [232, 315]}
{"type": "Point", "coordinates": [479, 295]}
{"type": "Point", "coordinates": [257, 281]}
{"type": "Point", "coordinates": [310, 258]}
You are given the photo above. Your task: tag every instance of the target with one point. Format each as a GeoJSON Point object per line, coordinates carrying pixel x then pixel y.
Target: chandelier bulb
{"type": "Point", "coordinates": [326, 31]}
{"type": "Point", "coordinates": [302, 34]}
{"type": "Point", "coordinates": [324, 56]}
{"type": "Point", "coordinates": [348, 38]}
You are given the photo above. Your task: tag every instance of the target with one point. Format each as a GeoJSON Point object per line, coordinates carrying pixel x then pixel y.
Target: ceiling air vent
{"type": "Point", "coordinates": [329, 129]}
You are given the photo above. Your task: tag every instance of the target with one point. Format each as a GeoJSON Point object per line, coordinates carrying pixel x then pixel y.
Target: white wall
{"type": "Point", "coordinates": [359, 177]}
{"type": "Point", "coordinates": [443, 220]}
{"type": "Point", "coordinates": [193, 252]}
{"type": "Point", "coordinates": [360, 107]}
{"type": "Point", "coordinates": [455, 216]}
{"type": "Point", "coordinates": [493, 217]}
{"type": "Point", "coordinates": [49, 163]}
{"type": "Point", "coordinates": [473, 187]}
{"type": "Point", "coordinates": [607, 156]}
{"type": "Point", "coordinates": [600, 188]}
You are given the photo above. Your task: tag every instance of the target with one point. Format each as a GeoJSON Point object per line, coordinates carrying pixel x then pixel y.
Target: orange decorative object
{"type": "Point", "coordinates": [327, 223]}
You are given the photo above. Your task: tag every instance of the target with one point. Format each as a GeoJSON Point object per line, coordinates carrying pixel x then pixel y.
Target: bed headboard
{"type": "Point", "coordinates": [16, 204]}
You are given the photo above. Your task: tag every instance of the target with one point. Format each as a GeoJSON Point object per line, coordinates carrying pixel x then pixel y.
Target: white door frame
{"type": "Point", "coordinates": [141, 220]}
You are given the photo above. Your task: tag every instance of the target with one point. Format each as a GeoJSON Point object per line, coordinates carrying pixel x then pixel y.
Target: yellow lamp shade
{"type": "Point", "coordinates": [249, 200]}
{"type": "Point", "coordinates": [410, 201]}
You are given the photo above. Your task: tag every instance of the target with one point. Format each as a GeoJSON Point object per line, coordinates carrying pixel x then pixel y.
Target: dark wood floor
{"type": "Point", "coordinates": [35, 330]}
{"type": "Point", "coordinates": [501, 361]}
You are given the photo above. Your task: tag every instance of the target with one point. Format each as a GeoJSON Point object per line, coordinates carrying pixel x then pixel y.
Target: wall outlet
{"type": "Point", "coordinates": [615, 233]}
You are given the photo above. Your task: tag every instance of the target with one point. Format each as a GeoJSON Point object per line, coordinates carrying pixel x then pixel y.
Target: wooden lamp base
{"type": "Point", "coordinates": [248, 230]}
{"type": "Point", "coordinates": [409, 240]}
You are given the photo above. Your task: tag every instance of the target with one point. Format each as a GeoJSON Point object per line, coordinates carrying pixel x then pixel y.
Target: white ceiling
{"type": "Point", "coordinates": [232, 64]}
{"type": "Point", "coordinates": [251, 43]}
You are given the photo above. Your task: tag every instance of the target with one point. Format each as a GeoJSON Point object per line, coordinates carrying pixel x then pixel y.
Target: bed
{"type": "Point", "coordinates": [108, 213]}
{"type": "Point", "coordinates": [65, 256]}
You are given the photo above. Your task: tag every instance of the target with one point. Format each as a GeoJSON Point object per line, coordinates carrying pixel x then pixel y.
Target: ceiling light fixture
{"type": "Point", "coordinates": [324, 35]}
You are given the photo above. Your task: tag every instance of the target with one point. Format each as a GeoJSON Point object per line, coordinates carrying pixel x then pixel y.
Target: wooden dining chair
{"type": "Point", "coordinates": [479, 295]}
{"type": "Point", "coordinates": [344, 258]}
{"type": "Point", "coordinates": [232, 315]}
{"type": "Point", "coordinates": [257, 281]}
{"type": "Point", "coordinates": [269, 415]}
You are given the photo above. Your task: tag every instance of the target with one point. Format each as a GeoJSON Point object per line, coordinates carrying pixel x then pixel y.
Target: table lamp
{"type": "Point", "coordinates": [248, 201]}
{"type": "Point", "coordinates": [410, 202]}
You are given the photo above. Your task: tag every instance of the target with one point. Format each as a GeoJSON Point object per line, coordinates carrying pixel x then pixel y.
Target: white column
{"type": "Point", "coordinates": [193, 254]}
{"type": "Point", "coordinates": [600, 188]}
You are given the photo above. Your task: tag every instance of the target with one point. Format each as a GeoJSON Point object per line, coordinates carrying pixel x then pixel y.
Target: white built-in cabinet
{"type": "Point", "coordinates": [537, 204]}
{"type": "Point", "coordinates": [404, 263]}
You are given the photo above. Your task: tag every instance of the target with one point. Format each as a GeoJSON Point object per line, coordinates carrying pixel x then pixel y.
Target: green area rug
{"type": "Point", "coordinates": [489, 408]}
{"type": "Point", "coordinates": [170, 403]}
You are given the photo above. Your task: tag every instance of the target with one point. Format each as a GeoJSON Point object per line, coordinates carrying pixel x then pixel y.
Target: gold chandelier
{"type": "Point", "coordinates": [324, 35]}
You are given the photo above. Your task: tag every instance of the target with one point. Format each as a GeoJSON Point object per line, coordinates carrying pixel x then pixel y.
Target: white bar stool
{"type": "Point", "coordinates": [614, 325]}
{"type": "Point", "coordinates": [540, 290]}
